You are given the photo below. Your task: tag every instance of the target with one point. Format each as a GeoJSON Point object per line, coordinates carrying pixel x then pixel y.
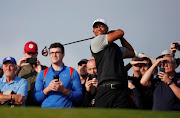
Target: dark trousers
{"type": "Point", "coordinates": [112, 98]}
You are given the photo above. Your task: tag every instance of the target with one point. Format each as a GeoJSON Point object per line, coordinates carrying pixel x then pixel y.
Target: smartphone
{"type": "Point", "coordinates": [162, 70]}
{"type": "Point", "coordinates": [56, 77]}
{"type": "Point", "coordinates": [32, 61]}
{"type": "Point", "coordinates": [91, 76]}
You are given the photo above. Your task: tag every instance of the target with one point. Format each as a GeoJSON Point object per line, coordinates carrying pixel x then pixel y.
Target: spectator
{"type": "Point", "coordinates": [141, 97]}
{"type": "Point", "coordinates": [54, 93]}
{"type": "Point", "coordinates": [136, 101]}
{"type": "Point", "coordinates": [166, 85]}
{"type": "Point", "coordinates": [29, 70]}
{"type": "Point", "coordinates": [12, 83]}
{"type": "Point", "coordinates": [1, 70]}
{"type": "Point", "coordinates": [82, 71]}
{"type": "Point", "coordinates": [145, 92]}
{"type": "Point", "coordinates": [175, 46]}
{"type": "Point", "coordinates": [91, 85]}
{"type": "Point", "coordinates": [135, 65]}
{"type": "Point", "coordinates": [112, 79]}
{"type": "Point", "coordinates": [169, 52]}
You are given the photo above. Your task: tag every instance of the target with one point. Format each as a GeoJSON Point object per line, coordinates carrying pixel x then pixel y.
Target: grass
{"type": "Point", "coordinates": [32, 112]}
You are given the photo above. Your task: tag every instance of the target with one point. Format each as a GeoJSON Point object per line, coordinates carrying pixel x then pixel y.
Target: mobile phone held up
{"type": "Point", "coordinates": [91, 76]}
{"type": "Point", "coordinates": [32, 61]}
{"type": "Point", "coordinates": [56, 77]}
{"type": "Point", "coordinates": [162, 70]}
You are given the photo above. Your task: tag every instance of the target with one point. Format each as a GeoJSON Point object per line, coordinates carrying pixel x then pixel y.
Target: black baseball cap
{"type": "Point", "coordinates": [83, 61]}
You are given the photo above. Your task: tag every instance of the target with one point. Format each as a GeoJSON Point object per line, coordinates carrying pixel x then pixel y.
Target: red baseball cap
{"type": "Point", "coordinates": [30, 47]}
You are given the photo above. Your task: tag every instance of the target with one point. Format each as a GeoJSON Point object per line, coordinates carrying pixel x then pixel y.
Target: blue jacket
{"type": "Point", "coordinates": [56, 99]}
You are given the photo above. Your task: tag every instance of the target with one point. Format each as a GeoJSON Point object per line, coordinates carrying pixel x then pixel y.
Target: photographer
{"type": "Point", "coordinates": [166, 86]}
{"type": "Point", "coordinates": [28, 68]}
{"type": "Point", "coordinates": [174, 46]}
{"type": "Point", "coordinates": [90, 85]}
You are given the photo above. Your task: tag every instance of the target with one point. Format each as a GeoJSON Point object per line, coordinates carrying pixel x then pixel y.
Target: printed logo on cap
{"type": "Point", "coordinates": [8, 58]}
{"type": "Point", "coordinates": [31, 46]}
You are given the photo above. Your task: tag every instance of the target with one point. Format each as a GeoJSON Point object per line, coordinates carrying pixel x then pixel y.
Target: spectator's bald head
{"type": "Point", "coordinates": [91, 67]}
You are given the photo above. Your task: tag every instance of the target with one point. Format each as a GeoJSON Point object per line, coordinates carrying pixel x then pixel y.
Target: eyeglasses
{"type": "Point", "coordinates": [51, 53]}
{"type": "Point", "coordinates": [166, 62]}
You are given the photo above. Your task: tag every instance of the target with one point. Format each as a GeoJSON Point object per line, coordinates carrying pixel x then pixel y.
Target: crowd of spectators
{"type": "Point", "coordinates": [101, 81]}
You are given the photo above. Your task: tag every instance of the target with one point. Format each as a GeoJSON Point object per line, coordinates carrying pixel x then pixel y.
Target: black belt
{"type": "Point", "coordinates": [111, 86]}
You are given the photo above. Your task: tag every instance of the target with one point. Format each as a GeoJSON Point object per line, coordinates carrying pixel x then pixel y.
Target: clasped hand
{"type": "Point", "coordinates": [89, 83]}
{"type": "Point", "coordinates": [56, 85]}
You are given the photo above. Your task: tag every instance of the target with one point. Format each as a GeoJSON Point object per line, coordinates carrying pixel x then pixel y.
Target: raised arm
{"type": "Point", "coordinates": [114, 35]}
{"type": "Point", "coordinates": [140, 55]}
{"type": "Point", "coordinates": [129, 49]}
{"type": "Point", "coordinates": [145, 80]}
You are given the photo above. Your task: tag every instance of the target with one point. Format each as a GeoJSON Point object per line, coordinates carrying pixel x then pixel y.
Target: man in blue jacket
{"type": "Point", "coordinates": [60, 92]}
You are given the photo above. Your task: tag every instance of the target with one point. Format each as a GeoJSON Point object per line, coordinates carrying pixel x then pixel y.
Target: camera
{"type": "Point", "coordinates": [91, 76]}
{"type": "Point", "coordinates": [32, 61]}
{"type": "Point", "coordinates": [162, 70]}
{"type": "Point", "coordinates": [177, 46]}
{"type": "Point", "coordinates": [56, 77]}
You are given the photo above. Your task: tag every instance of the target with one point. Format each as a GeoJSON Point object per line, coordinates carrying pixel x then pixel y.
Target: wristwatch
{"type": "Point", "coordinates": [169, 83]}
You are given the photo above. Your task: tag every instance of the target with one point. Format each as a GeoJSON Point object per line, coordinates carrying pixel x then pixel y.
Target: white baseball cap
{"type": "Point", "coordinates": [100, 21]}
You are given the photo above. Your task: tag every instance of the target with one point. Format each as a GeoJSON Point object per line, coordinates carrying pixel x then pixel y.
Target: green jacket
{"type": "Point", "coordinates": [29, 73]}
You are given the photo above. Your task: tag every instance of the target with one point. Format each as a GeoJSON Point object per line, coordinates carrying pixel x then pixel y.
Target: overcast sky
{"type": "Point", "coordinates": [149, 25]}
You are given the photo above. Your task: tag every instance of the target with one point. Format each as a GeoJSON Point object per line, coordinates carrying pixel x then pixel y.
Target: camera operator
{"type": "Point", "coordinates": [28, 68]}
{"type": "Point", "coordinates": [166, 86]}
{"type": "Point", "coordinates": [90, 84]}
